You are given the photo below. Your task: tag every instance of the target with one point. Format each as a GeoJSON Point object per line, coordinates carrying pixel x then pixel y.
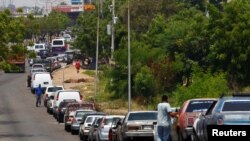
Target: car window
{"type": "Point", "coordinates": [236, 106]}
{"type": "Point", "coordinates": [54, 89]}
{"type": "Point", "coordinates": [210, 109]}
{"type": "Point", "coordinates": [143, 116]}
{"type": "Point", "coordinates": [80, 114]}
{"type": "Point", "coordinates": [89, 119]}
{"type": "Point", "coordinates": [199, 105]}
{"type": "Point", "coordinates": [108, 121]}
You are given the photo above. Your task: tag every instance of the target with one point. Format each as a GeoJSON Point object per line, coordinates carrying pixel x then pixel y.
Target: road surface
{"type": "Point", "coordinates": [20, 120]}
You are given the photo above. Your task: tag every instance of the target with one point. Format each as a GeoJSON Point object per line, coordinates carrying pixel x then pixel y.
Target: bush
{"type": "Point", "coordinates": [144, 82]}
{"type": "Point", "coordinates": [204, 84]}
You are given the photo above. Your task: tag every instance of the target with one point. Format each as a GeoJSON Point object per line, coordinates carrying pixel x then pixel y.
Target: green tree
{"type": "Point", "coordinates": [229, 49]}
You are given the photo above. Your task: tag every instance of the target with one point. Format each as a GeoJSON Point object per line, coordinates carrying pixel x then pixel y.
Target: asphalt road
{"type": "Point", "coordinates": [20, 120]}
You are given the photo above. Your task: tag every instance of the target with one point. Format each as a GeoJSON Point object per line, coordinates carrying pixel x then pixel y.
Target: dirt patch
{"type": "Point", "coordinates": [70, 79]}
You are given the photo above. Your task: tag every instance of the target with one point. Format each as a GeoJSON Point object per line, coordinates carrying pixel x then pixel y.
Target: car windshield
{"type": "Point", "coordinates": [38, 70]}
{"type": "Point", "coordinates": [236, 106]}
{"type": "Point", "coordinates": [143, 116]}
{"type": "Point", "coordinates": [199, 105]}
{"type": "Point", "coordinates": [89, 119]}
{"type": "Point", "coordinates": [80, 113]}
{"type": "Point", "coordinates": [54, 89]}
{"type": "Point", "coordinates": [108, 121]}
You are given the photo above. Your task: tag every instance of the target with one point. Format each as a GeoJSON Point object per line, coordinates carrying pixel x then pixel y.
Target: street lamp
{"type": "Point", "coordinates": [97, 47]}
{"type": "Point", "coordinates": [129, 60]}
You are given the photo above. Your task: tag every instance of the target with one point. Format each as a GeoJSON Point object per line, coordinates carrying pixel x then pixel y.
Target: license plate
{"type": "Point", "coordinates": [45, 83]}
{"type": "Point", "coordinates": [147, 127]}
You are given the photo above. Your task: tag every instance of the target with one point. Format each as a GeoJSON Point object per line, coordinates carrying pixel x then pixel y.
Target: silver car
{"type": "Point", "coordinates": [138, 124]}
{"type": "Point", "coordinates": [103, 128]}
{"type": "Point", "coordinates": [77, 118]}
{"type": "Point", "coordinates": [230, 110]}
{"type": "Point", "coordinates": [87, 121]}
{"type": "Point", "coordinates": [92, 130]}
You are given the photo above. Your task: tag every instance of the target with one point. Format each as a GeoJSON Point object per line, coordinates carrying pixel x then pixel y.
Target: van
{"type": "Point", "coordinates": [66, 94]}
{"type": "Point", "coordinates": [38, 47]}
{"type": "Point", "coordinates": [43, 78]}
{"type": "Point", "coordinates": [58, 46]}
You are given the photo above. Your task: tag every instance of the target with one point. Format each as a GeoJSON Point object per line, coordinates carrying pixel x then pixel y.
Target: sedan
{"type": "Point", "coordinates": [138, 124]}
{"type": "Point", "coordinates": [229, 110]}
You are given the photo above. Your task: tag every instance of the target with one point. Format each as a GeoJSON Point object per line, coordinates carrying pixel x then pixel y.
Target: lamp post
{"type": "Point", "coordinates": [129, 68]}
{"type": "Point", "coordinates": [97, 48]}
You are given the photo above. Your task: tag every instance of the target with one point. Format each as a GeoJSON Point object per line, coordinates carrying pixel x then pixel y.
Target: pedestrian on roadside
{"type": "Point", "coordinates": [164, 119]}
{"type": "Point", "coordinates": [38, 93]}
{"type": "Point", "coordinates": [77, 65]}
{"type": "Point", "coordinates": [28, 81]}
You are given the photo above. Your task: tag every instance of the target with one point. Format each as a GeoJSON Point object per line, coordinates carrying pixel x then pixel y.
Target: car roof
{"type": "Point", "coordinates": [235, 98]}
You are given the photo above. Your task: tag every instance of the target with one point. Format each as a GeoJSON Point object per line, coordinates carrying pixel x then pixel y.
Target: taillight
{"type": "Point", "coordinates": [81, 96]}
{"type": "Point", "coordinates": [74, 120]}
{"type": "Point", "coordinates": [219, 121]}
{"type": "Point", "coordinates": [70, 118]}
{"type": "Point", "coordinates": [110, 135]}
{"type": "Point", "coordinates": [103, 122]}
{"type": "Point", "coordinates": [57, 97]}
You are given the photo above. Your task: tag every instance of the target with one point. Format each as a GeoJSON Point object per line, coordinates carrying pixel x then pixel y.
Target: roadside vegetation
{"type": "Point", "coordinates": [186, 49]}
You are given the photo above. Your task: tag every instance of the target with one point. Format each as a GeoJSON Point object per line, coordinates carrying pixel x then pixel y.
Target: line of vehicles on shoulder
{"type": "Point", "coordinates": [195, 115]}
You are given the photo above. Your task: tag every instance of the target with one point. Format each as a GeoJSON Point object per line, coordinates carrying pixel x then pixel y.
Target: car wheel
{"type": "Point", "coordinates": [81, 137]}
{"type": "Point", "coordinates": [73, 132]}
{"type": "Point", "coordinates": [180, 137]}
{"type": "Point", "coordinates": [194, 136]}
{"type": "Point", "coordinates": [67, 128]}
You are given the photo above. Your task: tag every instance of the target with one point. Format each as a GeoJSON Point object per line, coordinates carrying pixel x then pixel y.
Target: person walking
{"type": "Point", "coordinates": [38, 92]}
{"type": "Point", "coordinates": [78, 66]}
{"type": "Point", "coordinates": [164, 119]}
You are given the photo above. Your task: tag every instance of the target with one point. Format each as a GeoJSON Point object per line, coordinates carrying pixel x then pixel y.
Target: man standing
{"type": "Point", "coordinates": [38, 92]}
{"type": "Point", "coordinates": [164, 119]}
{"type": "Point", "coordinates": [77, 65]}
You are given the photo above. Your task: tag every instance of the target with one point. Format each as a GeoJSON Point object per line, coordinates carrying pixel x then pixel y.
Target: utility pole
{"type": "Point", "coordinates": [113, 30]}
{"type": "Point", "coordinates": [129, 60]}
{"type": "Point", "coordinates": [97, 48]}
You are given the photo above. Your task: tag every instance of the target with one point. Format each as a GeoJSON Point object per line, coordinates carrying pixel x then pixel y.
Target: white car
{"type": "Point", "coordinates": [49, 91]}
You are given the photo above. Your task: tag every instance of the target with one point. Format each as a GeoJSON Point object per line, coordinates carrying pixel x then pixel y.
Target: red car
{"type": "Point", "coordinates": [188, 112]}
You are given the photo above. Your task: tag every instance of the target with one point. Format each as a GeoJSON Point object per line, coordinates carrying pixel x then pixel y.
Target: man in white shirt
{"type": "Point", "coordinates": [164, 119]}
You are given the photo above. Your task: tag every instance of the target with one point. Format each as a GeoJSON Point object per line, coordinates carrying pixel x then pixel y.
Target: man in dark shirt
{"type": "Point", "coordinates": [38, 92]}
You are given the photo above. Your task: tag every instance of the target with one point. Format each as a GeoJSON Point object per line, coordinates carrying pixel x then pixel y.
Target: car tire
{"type": "Point", "coordinates": [194, 136]}
{"type": "Point", "coordinates": [81, 137]}
{"type": "Point", "coordinates": [67, 128]}
{"type": "Point", "coordinates": [180, 137]}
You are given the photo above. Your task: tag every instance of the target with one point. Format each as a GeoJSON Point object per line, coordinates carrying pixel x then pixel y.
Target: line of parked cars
{"type": "Point", "coordinates": [195, 115]}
